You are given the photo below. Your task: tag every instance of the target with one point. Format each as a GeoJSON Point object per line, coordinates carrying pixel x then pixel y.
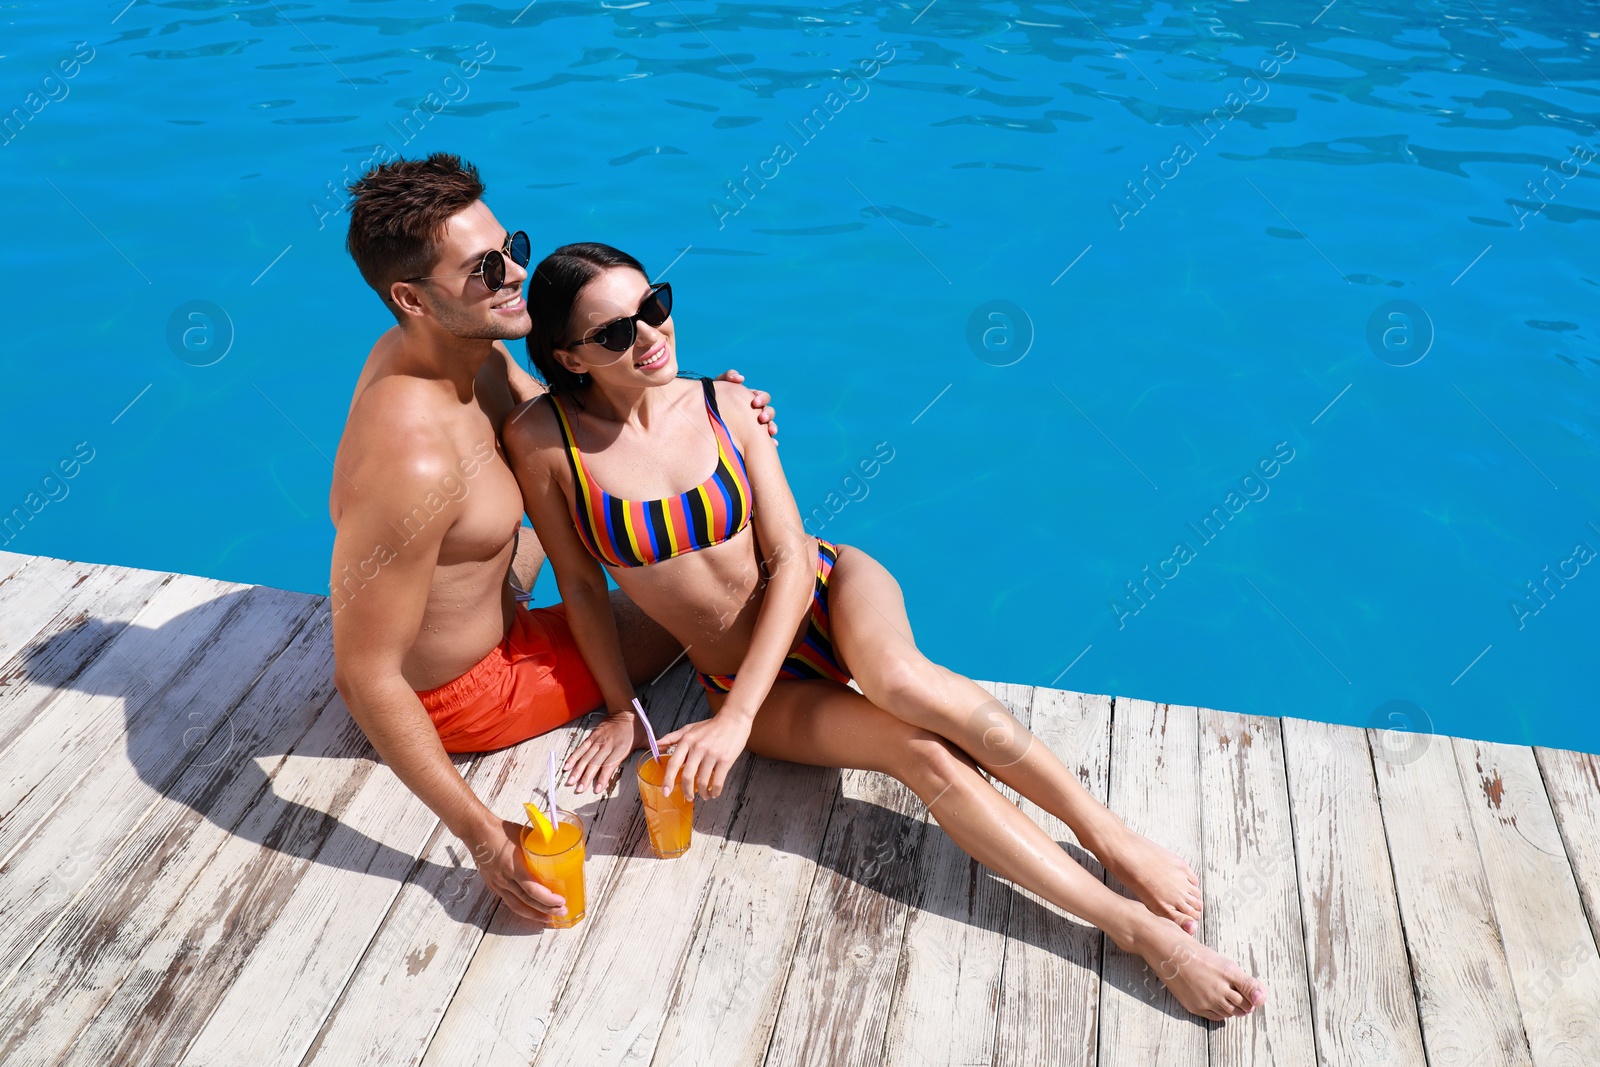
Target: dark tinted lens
{"type": "Point", "coordinates": [494, 271]}
{"type": "Point", "coordinates": [519, 249]}
{"type": "Point", "coordinates": [615, 337]}
{"type": "Point", "coordinates": [657, 306]}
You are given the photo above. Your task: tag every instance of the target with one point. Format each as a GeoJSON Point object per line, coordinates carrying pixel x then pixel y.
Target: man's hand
{"type": "Point", "coordinates": [500, 864]}
{"type": "Point", "coordinates": [759, 400]}
{"type": "Point", "coordinates": [707, 751]}
{"type": "Point", "coordinates": [603, 751]}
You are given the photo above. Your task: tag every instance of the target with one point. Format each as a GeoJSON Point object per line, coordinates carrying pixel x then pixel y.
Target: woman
{"type": "Point", "coordinates": [727, 568]}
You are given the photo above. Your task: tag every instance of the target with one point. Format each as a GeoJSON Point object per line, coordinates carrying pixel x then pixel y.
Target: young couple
{"type": "Point", "coordinates": [672, 486]}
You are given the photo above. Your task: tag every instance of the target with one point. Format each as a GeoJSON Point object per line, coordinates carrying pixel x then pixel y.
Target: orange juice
{"type": "Point", "coordinates": [669, 817]}
{"type": "Point", "coordinates": [557, 864]}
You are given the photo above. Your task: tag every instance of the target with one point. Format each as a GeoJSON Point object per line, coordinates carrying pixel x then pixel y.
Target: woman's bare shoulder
{"type": "Point", "coordinates": [531, 426]}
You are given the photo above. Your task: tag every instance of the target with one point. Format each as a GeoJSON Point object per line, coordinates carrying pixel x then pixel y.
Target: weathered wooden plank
{"type": "Point", "coordinates": [32, 594]}
{"type": "Point", "coordinates": [725, 1002]}
{"type": "Point", "coordinates": [612, 1007]}
{"type": "Point", "coordinates": [835, 1006]}
{"type": "Point", "coordinates": [198, 951]}
{"type": "Point", "coordinates": [94, 797]}
{"type": "Point", "coordinates": [43, 657]}
{"type": "Point", "coordinates": [1363, 1007]}
{"type": "Point", "coordinates": [92, 714]}
{"type": "Point", "coordinates": [11, 562]}
{"type": "Point", "coordinates": [1572, 780]}
{"type": "Point", "coordinates": [111, 906]}
{"type": "Point", "coordinates": [1155, 788]}
{"type": "Point", "coordinates": [953, 950]}
{"type": "Point", "coordinates": [295, 968]}
{"type": "Point", "coordinates": [1465, 1000]}
{"type": "Point", "coordinates": [515, 983]}
{"type": "Point", "coordinates": [1050, 989]}
{"type": "Point", "coordinates": [1549, 945]}
{"type": "Point", "coordinates": [1252, 908]}
{"type": "Point", "coordinates": [389, 1010]}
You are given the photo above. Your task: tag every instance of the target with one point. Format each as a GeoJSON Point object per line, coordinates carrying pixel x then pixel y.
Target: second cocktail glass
{"type": "Point", "coordinates": [668, 817]}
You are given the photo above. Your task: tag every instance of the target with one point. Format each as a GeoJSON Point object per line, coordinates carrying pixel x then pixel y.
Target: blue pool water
{"type": "Point", "coordinates": [964, 235]}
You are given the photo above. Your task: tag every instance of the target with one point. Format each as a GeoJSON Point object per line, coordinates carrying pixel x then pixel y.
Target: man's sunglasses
{"type": "Point", "coordinates": [493, 268]}
{"type": "Point", "coordinates": [618, 334]}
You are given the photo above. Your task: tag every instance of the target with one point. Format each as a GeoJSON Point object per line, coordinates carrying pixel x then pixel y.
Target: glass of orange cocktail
{"type": "Point", "coordinates": [557, 864]}
{"type": "Point", "coordinates": [668, 816]}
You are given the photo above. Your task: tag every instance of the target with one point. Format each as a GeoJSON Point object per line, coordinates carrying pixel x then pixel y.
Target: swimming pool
{"type": "Point", "coordinates": [1238, 354]}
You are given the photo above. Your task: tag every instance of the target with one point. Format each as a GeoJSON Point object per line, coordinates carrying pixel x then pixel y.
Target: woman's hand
{"type": "Point", "coordinates": [706, 753]}
{"type": "Point", "coordinates": [765, 414]}
{"type": "Point", "coordinates": [602, 752]}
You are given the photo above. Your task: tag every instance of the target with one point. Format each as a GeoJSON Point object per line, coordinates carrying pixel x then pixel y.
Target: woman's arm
{"type": "Point", "coordinates": [708, 751]}
{"type": "Point", "coordinates": [535, 454]}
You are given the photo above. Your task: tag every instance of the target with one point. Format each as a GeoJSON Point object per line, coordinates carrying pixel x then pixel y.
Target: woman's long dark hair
{"type": "Point", "coordinates": [552, 291]}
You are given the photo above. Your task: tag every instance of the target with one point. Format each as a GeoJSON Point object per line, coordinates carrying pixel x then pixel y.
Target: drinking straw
{"type": "Point", "coordinates": [550, 795]}
{"type": "Point", "coordinates": [650, 733]}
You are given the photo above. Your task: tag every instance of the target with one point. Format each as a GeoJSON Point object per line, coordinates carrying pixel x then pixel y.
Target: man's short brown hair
{"type": "Point", "coordinates": [399, 212]}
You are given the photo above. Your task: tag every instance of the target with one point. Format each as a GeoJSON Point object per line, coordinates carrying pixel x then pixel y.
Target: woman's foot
{"type": "Point", "coordinates": [1162, 882]}
{"type": "Point", "coordinates": [1205, 982]}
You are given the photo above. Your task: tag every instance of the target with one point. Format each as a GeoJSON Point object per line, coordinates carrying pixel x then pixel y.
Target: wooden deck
{"type": "Point", "coordinates": [201, 862]}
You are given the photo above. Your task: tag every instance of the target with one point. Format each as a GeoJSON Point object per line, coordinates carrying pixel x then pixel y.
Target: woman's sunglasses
{"type": "Point", "coordinates": [618, 334]}
{"type": "Point", "coordinates": [493, 268]}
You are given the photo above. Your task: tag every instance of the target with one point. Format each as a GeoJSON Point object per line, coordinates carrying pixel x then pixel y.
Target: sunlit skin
{"type": "Point", "coordinates": [643, 434]}
{"type": "Point", "coordinates": [432, 395]}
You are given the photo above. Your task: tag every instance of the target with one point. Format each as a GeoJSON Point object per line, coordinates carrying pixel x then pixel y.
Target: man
{"type": "Point", "coordinates": [432, 652]}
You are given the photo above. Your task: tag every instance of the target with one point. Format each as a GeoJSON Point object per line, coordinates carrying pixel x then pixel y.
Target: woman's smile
{"type": "Point", "coordinates": [653, 358]}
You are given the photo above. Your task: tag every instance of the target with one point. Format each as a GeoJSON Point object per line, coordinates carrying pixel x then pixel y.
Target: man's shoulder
{"type": "Point", "coordinates": [397, 424]}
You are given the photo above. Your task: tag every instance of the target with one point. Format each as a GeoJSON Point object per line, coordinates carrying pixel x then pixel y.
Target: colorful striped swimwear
{"type": "Point", "coordinates": [815, 658]}
{"type": "Point", "coordinates": [635, 533]}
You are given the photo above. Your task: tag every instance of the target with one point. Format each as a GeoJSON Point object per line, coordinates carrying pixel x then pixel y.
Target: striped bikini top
{"type": "Point", "coordinates": [635, 533]}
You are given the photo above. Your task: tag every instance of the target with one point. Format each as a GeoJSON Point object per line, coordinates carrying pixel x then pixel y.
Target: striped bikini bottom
{"type": "Point", "coordinates": [815, 658]}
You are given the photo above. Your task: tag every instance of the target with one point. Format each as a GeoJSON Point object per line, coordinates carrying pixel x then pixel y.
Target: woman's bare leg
{"type": "Point", "coordinates": [828, 725]}
{"type": "Point", "coordinates": [872, 634]}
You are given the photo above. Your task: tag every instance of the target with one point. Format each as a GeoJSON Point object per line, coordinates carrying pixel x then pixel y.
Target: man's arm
{"type": "Point", "coordinates": [380, 591]}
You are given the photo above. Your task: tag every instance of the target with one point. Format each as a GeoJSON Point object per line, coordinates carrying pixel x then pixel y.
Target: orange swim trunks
{"type": "Point", "coordinates": [532, 682]}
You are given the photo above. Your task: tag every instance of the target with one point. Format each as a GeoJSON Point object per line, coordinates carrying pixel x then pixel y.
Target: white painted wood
{"type": "Point", "coordinates": [1252, 906]}
{"type": "Point", "coordinates": [34, 593]}
{"type": "Point", "coordinates": [1155, 788]}
{"type": "Point", "coordinates": [11, 562]}
{"type": "Point", "coordinates": [1572, 780]}
{"type": "Point", "coordinates": [1549, 944]}
{"type": "Point", "coordinates": [835, 1005]}
{"type": "Point", "coordinates": [517, 979]}
{"type": "Point", "coordinates": [1363, 1006]}
{"type": "Point", "coordinates": [42, 657]}
{"type": "Point", "coordinates": [1048, 1012]}
{"type": "Point", "coordinates": [614, 1001]}
{"type": "Point", "coordinates": [953, 950]}
{"type": "Point", "coordinates": [94, 797]}
{"type": "Point", "coordinates": [1465, 1000]}
{"type": "Point", "coordinates": [297, 966]}
{"type": "Point", "coordinates": [389, 1010]}
{"type": "Point", "coordinates": [725, 1001]}
{"type": "Point", "coordinates": [316, 821]}
{"type": "Point", "coordinates": [92, 713]}
{"type": "Point", "coordinates": [111, 905]}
